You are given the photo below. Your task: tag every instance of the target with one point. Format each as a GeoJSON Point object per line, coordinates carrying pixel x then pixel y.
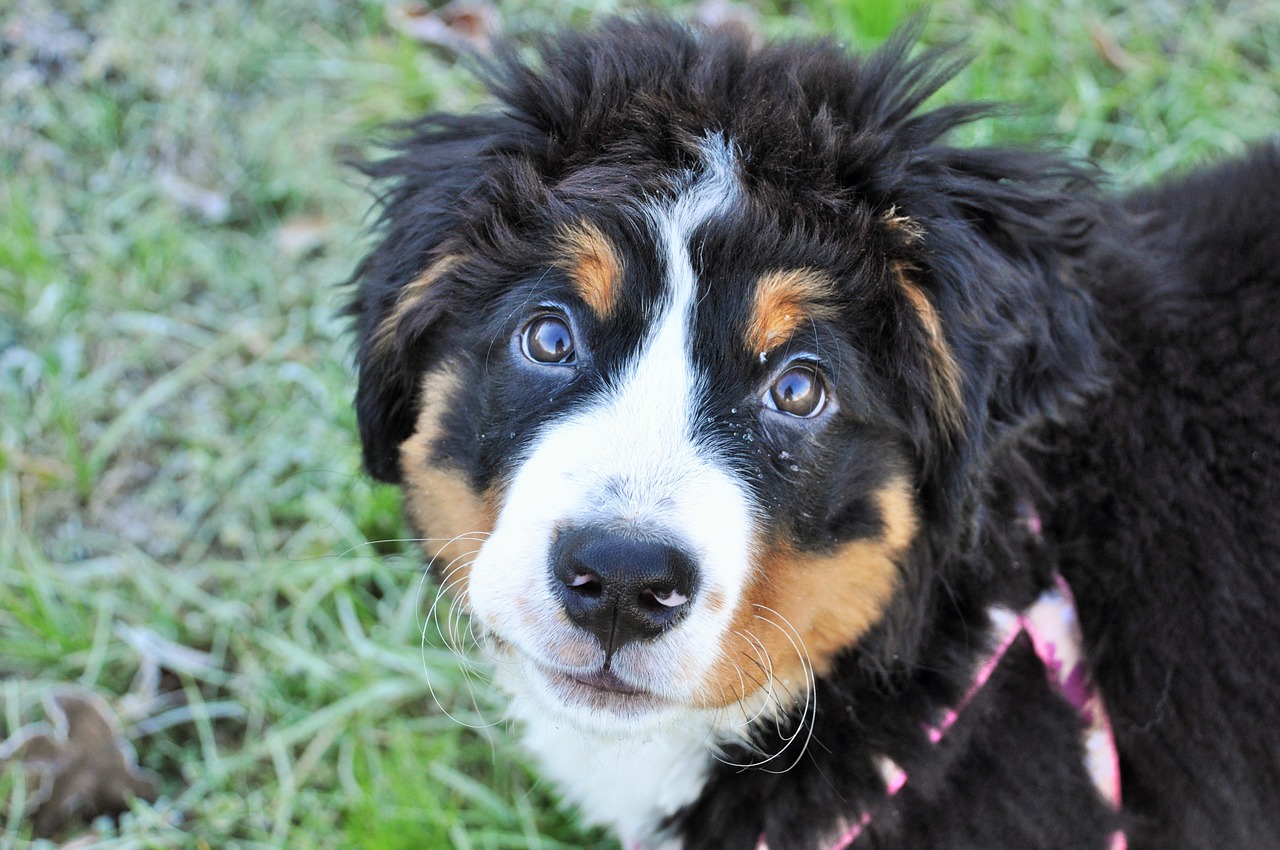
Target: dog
{"type": "Point", "coordinates": [760, 431]}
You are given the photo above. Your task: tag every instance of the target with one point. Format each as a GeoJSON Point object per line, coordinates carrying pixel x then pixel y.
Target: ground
{"type": "Point", "coordinates": [184, 527]}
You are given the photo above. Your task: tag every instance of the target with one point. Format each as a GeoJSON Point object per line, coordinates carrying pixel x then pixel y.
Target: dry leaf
{"type": "Point", "coordinates": [464, 26]}
{"type": "Point", "coordinates": [1109, 49]}
{"type": "Point", "coordinates": [78, 764]}
{"type": "Point", "coordinates": [301, 235]}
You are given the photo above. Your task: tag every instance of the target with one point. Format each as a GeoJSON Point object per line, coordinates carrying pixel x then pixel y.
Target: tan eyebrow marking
{"type": "Point", "coordinates": [594, 266]}
{"type": "Point", "coordinates": [784, 300]}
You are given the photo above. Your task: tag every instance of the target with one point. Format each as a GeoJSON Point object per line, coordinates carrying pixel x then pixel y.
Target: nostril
{"type": "Point", "coordinates": [659, 598]}
{"type": "Point", "coordinates": [585, 584]}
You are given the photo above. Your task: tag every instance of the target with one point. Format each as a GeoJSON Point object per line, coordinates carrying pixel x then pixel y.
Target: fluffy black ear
{"type": "Point", "coordinates": [429, 187]}
{"type": "Point", "coordinates": [1009, 259]}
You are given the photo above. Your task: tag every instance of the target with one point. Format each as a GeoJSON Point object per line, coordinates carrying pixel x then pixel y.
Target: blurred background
{"type": "Point", "coordinates": [193, 569]}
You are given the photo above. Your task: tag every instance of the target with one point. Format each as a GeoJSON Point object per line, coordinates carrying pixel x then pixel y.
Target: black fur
{"type": "Point", "coordinates": [1120, 371]}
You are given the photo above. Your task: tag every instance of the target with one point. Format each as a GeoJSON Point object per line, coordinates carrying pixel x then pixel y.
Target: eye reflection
{"type": "Point", "coordinates": [798, 392]}
{"type": "Point", "coordinates": [548, 339]}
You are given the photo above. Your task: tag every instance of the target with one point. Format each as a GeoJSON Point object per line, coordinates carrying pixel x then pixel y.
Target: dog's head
{"type": "Point", "coordinates": [688, 355]}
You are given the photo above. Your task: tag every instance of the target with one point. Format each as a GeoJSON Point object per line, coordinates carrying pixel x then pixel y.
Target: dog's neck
{"type": "Point", "coordinates": [629, 784]}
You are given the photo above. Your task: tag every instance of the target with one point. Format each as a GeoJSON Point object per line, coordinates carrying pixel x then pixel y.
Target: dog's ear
{"type": "Point", "coordinates": [1005, 256]}
{"type": "Point", "coordinates": [406, 287]}
{"type": "Point", "coordinates": [1040, 228]}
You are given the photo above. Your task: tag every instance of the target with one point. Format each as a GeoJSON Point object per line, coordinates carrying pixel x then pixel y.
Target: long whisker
{"type": "Point", "coordinates": [470, 535]}
{"type": "Point", "coordinates": [447, 572]}
{"type": "Point", "coordinates": [809, 711]}
{"type": "Point", "coordinates": [467, 672]}
{"type": "Point", "coordinates": [809, 708]}
{"type": "Point", "coordinates": [478, 536]}
{"type": "Point", "coordinates": [457, 633]}
{"type": "Point", "coordinates": [448, 630]}
{"type": "Point", "coordinates": [454, 629]}
{"type": "Point", "coordinates": [765, 662]}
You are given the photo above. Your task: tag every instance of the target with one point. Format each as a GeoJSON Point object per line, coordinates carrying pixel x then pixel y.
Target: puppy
{"type": "Point", "coordinates": [766, 437]}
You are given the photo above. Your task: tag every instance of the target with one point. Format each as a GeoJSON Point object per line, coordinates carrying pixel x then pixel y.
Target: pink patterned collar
{"type": "Point", "coordinates": [1054, 629]}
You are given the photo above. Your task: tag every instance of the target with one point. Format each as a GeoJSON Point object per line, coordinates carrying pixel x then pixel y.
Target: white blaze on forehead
{"type": "Point", "coordinates": [713, 194]}
{"type": "Point", "coordinates": [655, 399]}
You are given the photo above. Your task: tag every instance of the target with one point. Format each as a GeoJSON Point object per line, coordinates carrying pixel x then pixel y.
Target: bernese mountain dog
{"type": "Point", "coordinates": [749, 420]}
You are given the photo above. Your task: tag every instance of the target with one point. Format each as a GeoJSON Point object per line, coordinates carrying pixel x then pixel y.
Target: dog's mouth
{"type": "Point", "coordinates": [606, 680]}
{"type": "Point", "coordinates": [600, 689]}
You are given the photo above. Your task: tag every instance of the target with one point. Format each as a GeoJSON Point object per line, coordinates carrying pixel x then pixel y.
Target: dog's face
{"type": "Point", "coordinates": [693, 487]}
{"type": "Point", "coordinates": [676, 393]}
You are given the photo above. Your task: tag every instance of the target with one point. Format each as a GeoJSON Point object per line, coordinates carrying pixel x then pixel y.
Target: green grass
{"type": "Point", "coordinates": [177, 452]}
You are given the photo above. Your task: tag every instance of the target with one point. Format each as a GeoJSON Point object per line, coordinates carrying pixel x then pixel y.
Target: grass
{"type": "Point", "coordinates": [184, 527]}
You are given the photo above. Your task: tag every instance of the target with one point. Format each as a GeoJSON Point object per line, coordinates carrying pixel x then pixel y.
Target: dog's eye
{"type": "Point", "coordinates": [548, 339]}
{"type": "Point", "coordinates": [798, 392]}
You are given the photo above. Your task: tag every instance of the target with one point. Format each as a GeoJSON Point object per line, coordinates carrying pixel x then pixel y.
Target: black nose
{"type": "Point", "coordinates": [620, 587]}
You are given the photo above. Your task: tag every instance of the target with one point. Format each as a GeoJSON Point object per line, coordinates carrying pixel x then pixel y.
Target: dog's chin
{"type": "Point", "coordinates": [597, 702]}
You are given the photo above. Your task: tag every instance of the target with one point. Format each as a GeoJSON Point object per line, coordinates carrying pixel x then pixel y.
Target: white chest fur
{"type": "Point", "coordinates": [628, 783]}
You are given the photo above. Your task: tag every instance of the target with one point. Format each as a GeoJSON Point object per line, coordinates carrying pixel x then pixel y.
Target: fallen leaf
{"type": "Point", "coordinates": [1109, 49]}
{"type": "Point", "coordinates": [78, 763]}
{"type": "Point", "coordinates": [301, 235]}
{"type": "Point", "coordinates": [464, 26]}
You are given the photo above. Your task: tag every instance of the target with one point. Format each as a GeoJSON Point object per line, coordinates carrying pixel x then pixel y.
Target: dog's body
{"type": "Point", "coordinates": [731, 402]}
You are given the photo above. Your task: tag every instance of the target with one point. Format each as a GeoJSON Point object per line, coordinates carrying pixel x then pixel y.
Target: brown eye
{"type": "Point", "coordinates": [798, 392]}
{"type": "Point", "coordinates": [547, 339]}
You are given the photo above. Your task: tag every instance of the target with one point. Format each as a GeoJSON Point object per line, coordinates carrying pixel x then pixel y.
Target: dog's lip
{"type": "Point", "coordinates": [601, 686]}
{"type": "Point", "coordinates": [605, 679]}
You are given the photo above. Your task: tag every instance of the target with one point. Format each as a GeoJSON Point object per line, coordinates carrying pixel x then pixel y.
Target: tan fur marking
{"type": "Point", "coordinates": [784, 300]}
{"type": "Point", "coordinates": [944, 374]}
{"type": "Point", "coordinates": [594, 267]}
{"type": "Point", "coordinates": [830, 602]}
{"type": "Point", "coordinates": [454, 519]}
{"type": "Point", "coordinates": [408, 297]}
{"type": "Point", "coordinates": [907, 227]}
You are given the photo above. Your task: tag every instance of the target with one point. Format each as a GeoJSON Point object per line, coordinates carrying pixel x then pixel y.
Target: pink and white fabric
{"type": "Point", "coordinates": [1054, 629]}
